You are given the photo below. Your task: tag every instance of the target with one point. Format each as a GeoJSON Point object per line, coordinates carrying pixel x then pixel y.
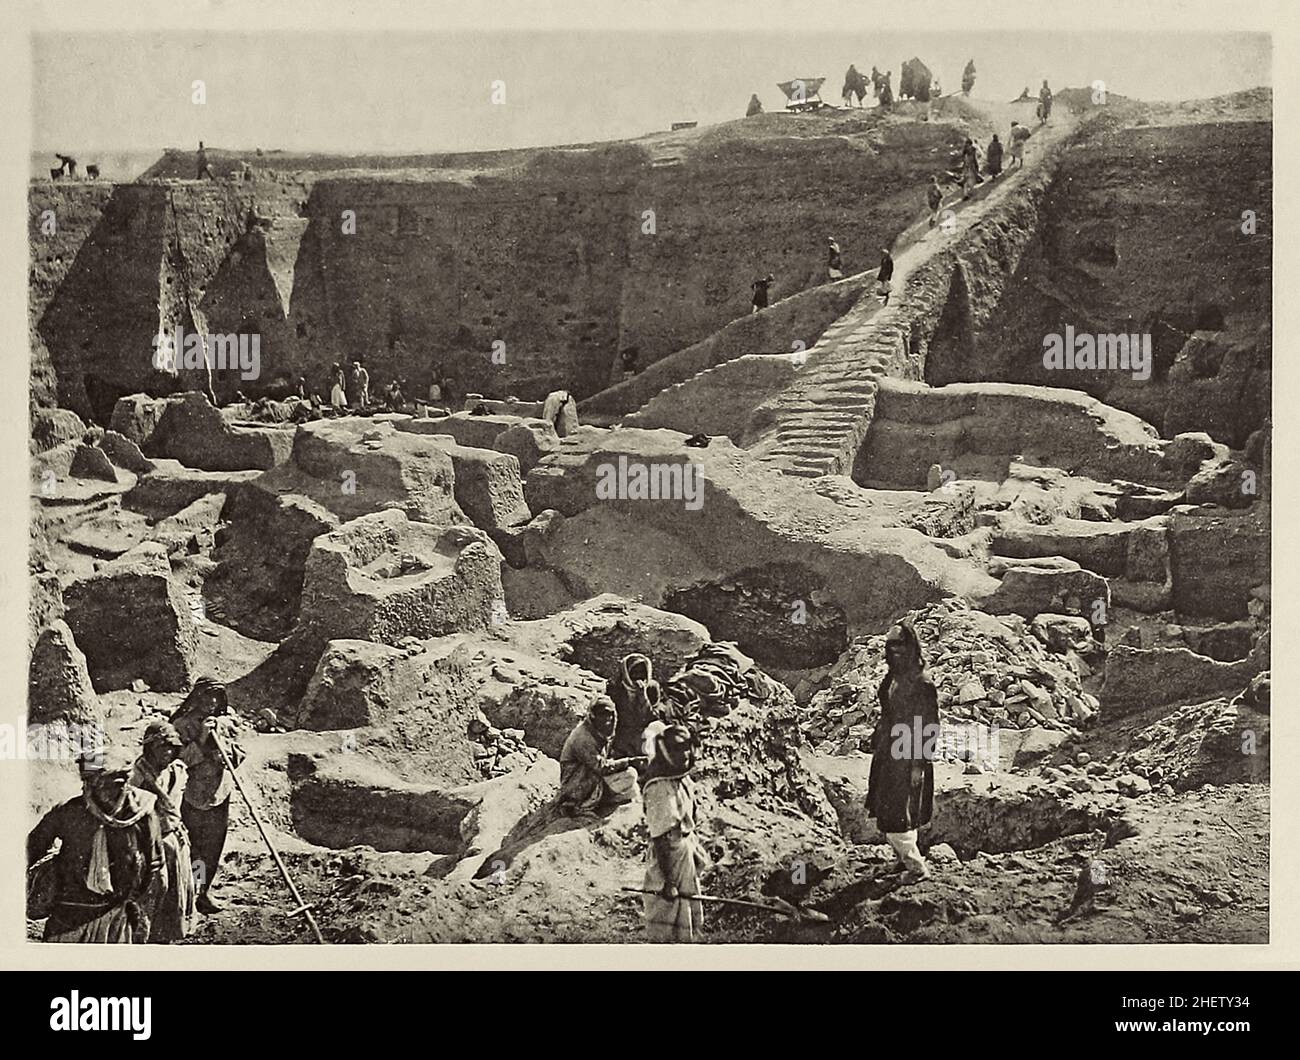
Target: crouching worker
{"type": "Point", "coordinates": [590, 780]}
{"type": "Point", "coordinates": [109, 870]}
{"type": "Point", "coordinates": [900, 789]}
{"type": "Point", "coordinates": [161, 773]}
{"type": "Point", "coordinates": [675, 858]}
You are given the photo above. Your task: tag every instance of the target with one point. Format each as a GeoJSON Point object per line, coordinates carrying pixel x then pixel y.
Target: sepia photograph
{"type": "Point", "coordinates": [595, 484]}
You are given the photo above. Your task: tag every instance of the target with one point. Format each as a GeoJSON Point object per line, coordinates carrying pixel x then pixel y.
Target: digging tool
{"type": "Point", "coordinates": [303, 907]}
{"type": "Point", "coordinates": [1234, 830]}
{"type": "Point", "coordinates": [779, 906]}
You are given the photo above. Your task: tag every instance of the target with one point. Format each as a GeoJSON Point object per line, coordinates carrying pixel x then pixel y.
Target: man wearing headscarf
{"type": "Point", "coordinates": [109, 868]}
{"type": "Point", "coordinates": [900, 788]}
{"type": "Point", "coordinates": [675, 858]}
{"type": "Point", "coordinates": [590, 780]}
{"type": "Point", "coordinates": [161, 773]}
{"type": "Point", "coordinates": [637, 699]}
{"type": "Point", "coordinates": [202, 719]}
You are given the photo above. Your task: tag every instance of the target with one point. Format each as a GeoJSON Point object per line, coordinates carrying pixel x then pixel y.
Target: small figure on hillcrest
{"type": "Point", "coordinates": [1044, 102]}
{"type": "Point", "coordinates": [886, 90]}
{"type": "Point", "coordinates": [854, 85]}
{"type": "Point", "coordinates": [201, 163]}
{"type": "Point", "coordinates": [914, 81]}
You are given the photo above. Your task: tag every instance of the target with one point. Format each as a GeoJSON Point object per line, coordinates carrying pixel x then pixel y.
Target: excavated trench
{"type": "Point", "coordinates": [341, 812]}
{"type": "Point", "coordinates": [776, 614]}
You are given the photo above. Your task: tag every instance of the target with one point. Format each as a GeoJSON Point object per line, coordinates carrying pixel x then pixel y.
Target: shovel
{"type": "Point", "coordinates": [779, 906]}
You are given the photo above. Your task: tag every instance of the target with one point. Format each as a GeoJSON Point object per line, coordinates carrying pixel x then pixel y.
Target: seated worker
{"type": "Point", "coordinates": [589, 779]}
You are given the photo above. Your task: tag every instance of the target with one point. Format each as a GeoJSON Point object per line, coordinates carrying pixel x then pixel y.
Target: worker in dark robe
{"type": "Point", "coordinates": [854, 85]}
{"type": "Point", "coordinates": [160, 772]}
{"type": "Point", "coordinates": [885, 276]}
{"type": "Point", "coordinates": [629, 355]}
{"type": "Point", "coordinates": [394, 399]}
{"type": "Point", "coordinates": [202, 720]}
{"type": "Point", "coordinates": [900, 787]}
{"type": "Point", "coordinates": [760, 288]}
{"type": "Point", "coordinates": [755, 106]}
{"type": "Point", "coordinates": [637, 699]}
{"type": "Point", "coordinates": [887, 90]}
{"type": "Point", "coordinates": [993, 157]}
{"type": "Point", "coordinates": [590, 780]}
{"type": "Point", "coordinates": [109, 869]}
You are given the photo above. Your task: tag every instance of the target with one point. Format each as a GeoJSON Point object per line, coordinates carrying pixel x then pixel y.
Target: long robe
{"type": "Point", "coordinates": [893, 799]}
{"type": "Point", "coordinates": [585, 786]}
{"type": "Point", "coordinates": [88, 907]}
{"type": "Point", "coordinates": [173, 914]}
{"type": "Point", "coordinates": [669, 804]}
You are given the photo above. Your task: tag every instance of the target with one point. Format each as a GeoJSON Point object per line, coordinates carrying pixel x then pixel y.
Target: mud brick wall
{"type": "Point", "coordinates": [545, 252]}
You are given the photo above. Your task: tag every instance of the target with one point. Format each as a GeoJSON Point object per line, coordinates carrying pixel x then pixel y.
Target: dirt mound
{"type": "Point", "coordinates": [990, 671]}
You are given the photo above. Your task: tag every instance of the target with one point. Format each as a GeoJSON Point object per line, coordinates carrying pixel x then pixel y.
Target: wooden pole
{"type": "Point", "coordinates": [279, 863]}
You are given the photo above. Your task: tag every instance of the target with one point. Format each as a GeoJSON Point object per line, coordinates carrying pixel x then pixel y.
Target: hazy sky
{"type": "Point", "coordinates": [350, 92]}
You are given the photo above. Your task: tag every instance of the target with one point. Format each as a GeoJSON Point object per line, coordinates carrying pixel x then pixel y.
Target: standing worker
{"type": "Point", "coordinates": [675, 858]}
{"type": "Point", "coordinates": [201, 163]}
{"type": "Point", "coordinates": [970, 167]}
{"type": "Point", "coordinates": [202, 719]}
{"type": "Point", "coordinates": [834, 268]}
{"type": "Point", "coordinates": [900, 787]}
{"type": "Point", "coordinates": [885, 276]}
{"type": "Point", "coordinates": [109, 869]}
{"type": "Point", "coordinates": [934, 199]}
{"type": "Point", "coordinates": [759, 288]}
{"type": "Point", "coordinates": [161, 773]}
{"type": "Point", "coordinates": [993, 157]}
{"type": "Point", "coordinates": [360, 385]}
{"type": "Point", "coordinates": [338, 391]}
{"type": "Point", "coordinates": [1044, 102]}
{"type": "Point", "coordinates": [1019, 134]}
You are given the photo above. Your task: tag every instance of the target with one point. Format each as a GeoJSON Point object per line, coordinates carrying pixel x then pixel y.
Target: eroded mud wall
{"type": "Point", "coordinates": [1144, 231]}
{"type": "Point", "coordinates": [565, 256]}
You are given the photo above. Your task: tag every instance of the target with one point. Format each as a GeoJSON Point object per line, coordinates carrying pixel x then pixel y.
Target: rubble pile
{"type": "Point", "coordinates": [989, 670]}
{"type": "Point", "coordinates": [499, 751]}
{"type": "Point", "coordinates": [1215, 742]}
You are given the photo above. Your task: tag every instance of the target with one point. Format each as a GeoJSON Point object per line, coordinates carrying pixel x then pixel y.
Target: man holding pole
{"type": "Point", "coordinates": [201, 720]}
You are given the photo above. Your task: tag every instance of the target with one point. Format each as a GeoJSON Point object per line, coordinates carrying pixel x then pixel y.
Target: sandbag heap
{"type": "Point", "coordinates": [988, 670]}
